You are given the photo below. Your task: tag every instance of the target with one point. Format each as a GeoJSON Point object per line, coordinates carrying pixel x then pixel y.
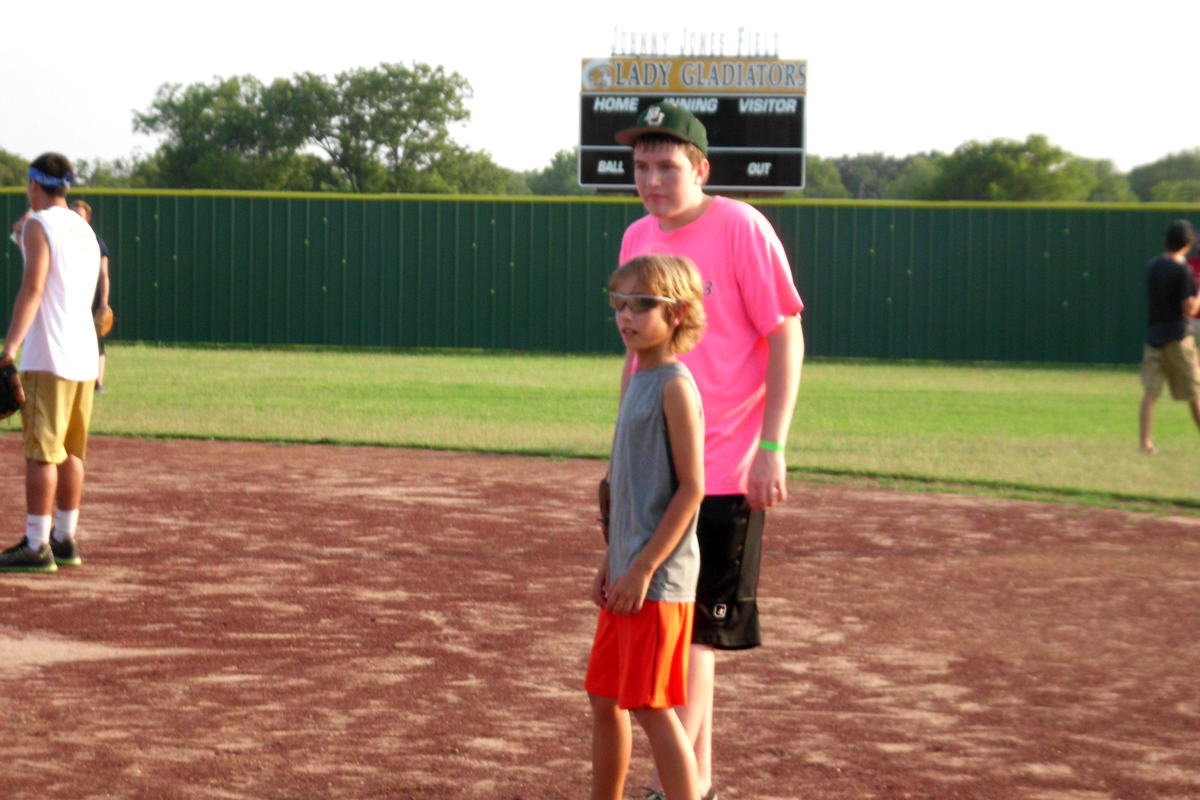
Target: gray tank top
{"type": "Point", "coordinates": [643, 481]}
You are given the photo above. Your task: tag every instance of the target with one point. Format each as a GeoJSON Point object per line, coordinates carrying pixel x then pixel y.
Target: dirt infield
{"type": "Point", "coordinates": [257, 621]}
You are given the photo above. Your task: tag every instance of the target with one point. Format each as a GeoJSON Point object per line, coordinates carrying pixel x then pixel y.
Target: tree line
{"type": "Point", "coordinates": [387, 129]}
{"type": "Point", "coordinates": [1005, 170]}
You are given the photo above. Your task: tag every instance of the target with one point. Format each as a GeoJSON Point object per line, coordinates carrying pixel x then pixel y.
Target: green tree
{"type": "Point", "coordinates": [822, 180]}
{"type": "Point", "coordinates": [13, 169]}
{"type": "Point", "coordinates": [560, 177]}
{"type": "Point", "coordinates": [915, 179]}
{"type": "Point", "coordinates": [458, 170]}
{"type": "Point", "coordinates": [218, 136]}
{"type": "Point", "coordinates": [866, 176]}
{"type": "Point", "coordinates": [384, 129]}
{"type": "Point", "coordinates": [1110, 185]}
{"type": "Point", "coordinates": [1181, 166]}
{"type": "Point", "coordinates": [381, 128]}
{"type": "Point", "coordinates": [1187, 191]}
{"type": "Point", "coordinates": [117, 173]}
{"type": "Point", "coordinates": [1004, 169]}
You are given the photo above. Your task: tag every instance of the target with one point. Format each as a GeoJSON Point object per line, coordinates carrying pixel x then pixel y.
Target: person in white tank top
{"type": "Point", "coordinates": [52, 326]}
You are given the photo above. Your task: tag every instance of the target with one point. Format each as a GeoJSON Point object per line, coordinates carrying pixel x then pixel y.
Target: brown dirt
{"type": "Point", "coordinates": [258, 621]}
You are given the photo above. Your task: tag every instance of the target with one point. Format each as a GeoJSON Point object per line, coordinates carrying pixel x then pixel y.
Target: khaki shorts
{"type": "Point", "coordinates": [1176, 364]}
{"type": "Point", "coordinates": [55, 417]}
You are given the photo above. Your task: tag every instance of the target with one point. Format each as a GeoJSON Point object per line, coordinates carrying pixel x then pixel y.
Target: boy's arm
{"type": "Point", "coordinates": [768, 470]}
{"type": "Point", "coordinates": [1191, 299]}
{"type": "Point", "coordinates": [33, 285]}
{"type": "Point", "coordinates": [1190, 305]}
{"type": "Point", "coordinates": [600, 582]}
{"type": "Point", "coordinates": [681, 407]}
{"type": "Point", "coordinates": [104, 285]}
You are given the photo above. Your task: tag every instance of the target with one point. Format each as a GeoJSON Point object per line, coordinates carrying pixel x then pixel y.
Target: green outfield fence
{"type": "Point", "coordinates": [972, 281]}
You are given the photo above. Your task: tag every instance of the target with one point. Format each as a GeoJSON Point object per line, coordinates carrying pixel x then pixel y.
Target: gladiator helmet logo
{"type": "Point", "coordinates": [655, 116]}
{"type": "Point", "coordinates": [597, 74]}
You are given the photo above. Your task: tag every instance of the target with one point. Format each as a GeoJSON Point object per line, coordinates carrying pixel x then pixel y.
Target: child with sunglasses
{"type": "Point", "coordinates": [748, 370]}
{"type": "Point", "coordinates": [646, 584]}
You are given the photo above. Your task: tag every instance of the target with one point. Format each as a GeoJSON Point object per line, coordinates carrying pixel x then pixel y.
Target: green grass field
{"type": "Point", "coordinates": [1037, 431]}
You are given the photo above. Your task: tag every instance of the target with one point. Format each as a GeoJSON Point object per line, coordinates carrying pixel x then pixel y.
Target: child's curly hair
{"type": "Point", "coordinates": [675, 277]}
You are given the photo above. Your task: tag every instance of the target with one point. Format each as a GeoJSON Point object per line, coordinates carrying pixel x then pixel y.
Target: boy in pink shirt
{"type": "Point", "coordinates": [747, 368]}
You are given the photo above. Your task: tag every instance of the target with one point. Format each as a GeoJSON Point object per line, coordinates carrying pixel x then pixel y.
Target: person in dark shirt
{"type": "Point", "coordinates": [1169, 353]}
{"type": "Point", "coordinates": [100, 301]}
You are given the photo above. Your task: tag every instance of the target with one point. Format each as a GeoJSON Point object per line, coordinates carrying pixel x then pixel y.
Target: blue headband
{"type": "Point", "coordinates": [39, 177]}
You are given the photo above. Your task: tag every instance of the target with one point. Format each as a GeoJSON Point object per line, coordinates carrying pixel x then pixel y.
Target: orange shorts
{"type": "Point", "coordinates": [642, 659]}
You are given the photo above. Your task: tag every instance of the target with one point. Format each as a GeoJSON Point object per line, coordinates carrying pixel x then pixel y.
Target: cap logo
{"type": "Point", "coordinates": [654, 116]}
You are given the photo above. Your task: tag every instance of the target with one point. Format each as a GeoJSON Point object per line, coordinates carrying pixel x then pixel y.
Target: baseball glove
{"type": "Point", "coordinates": [605, 497]}
{"type": "Point", "coordinates": [103, 318]}
{"type": "Point", "coordinates": [12, 394]}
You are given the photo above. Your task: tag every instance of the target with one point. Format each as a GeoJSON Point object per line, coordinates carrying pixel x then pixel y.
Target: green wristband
{"type": "Point", "coordinates": [774, 447]}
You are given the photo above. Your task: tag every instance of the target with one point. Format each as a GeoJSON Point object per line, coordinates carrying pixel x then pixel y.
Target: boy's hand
{"type": "Point", "coordinates": [604, 496]}
{"type": "Point", "coordinates": [628, 592]}
{"type": "Point", "coordinates": [599, 585]}
{"type": "Point", "coordinates": [768, 480]}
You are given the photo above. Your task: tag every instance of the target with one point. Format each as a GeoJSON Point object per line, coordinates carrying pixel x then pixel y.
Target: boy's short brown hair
{"type": "Point", "coordinates": [675, 277]}
{"type": "Point", "coordinates": [83, 205]}
{"type": "Point", "coordinates": [693, 153]}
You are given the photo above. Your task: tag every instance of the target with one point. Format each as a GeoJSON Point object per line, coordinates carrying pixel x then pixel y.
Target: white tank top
{"type": "Point", "coordinates": [62, 339]}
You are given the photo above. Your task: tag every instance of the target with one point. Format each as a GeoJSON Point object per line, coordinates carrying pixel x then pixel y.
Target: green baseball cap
{"type": "Point", "coordinates": [669, 119]}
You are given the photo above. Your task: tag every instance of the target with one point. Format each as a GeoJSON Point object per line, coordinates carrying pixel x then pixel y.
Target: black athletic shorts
{"type": "Point", "coordinates": [730, 537]}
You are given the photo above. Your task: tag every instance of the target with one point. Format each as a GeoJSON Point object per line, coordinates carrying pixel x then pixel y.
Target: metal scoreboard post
{"type": "Point", "coordinates": [752, 108]}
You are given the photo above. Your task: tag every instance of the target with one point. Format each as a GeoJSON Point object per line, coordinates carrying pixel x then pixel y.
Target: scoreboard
{"type": "Point", "coordinates": [752, 109]}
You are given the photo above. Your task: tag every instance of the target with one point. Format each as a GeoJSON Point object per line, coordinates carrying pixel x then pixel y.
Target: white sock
{"type": "Point", "coordinates": [37, 531]}
{"type": "Point", "coordinates": [65, 523]}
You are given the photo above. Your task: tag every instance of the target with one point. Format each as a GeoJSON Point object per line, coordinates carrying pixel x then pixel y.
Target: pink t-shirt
{"type": "Point", "coordinates": [748, 291]}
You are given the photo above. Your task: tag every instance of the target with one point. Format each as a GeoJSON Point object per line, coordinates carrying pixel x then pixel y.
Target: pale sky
{"type": "Point", "coordinates": [1118, 81]}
